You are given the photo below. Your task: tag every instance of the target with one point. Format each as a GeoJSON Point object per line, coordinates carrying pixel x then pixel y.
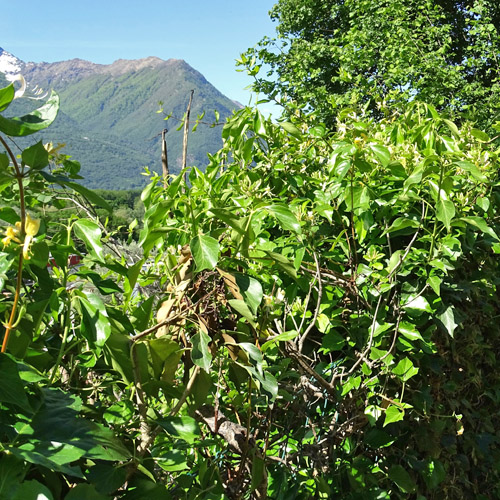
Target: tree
{"type": "Point", "coordinates": [331, 54]}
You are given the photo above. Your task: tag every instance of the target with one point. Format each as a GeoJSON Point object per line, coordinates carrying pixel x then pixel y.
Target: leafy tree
{"type": "Point", "coordinates": [332, 54]}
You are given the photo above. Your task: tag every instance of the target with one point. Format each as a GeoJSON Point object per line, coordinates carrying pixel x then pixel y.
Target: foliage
{"type": "Point", "coordinates": [314, 316]}
{"type": "Point", "coordinates": [329, 55]}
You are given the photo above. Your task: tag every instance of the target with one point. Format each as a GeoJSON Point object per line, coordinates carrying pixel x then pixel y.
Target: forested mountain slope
{"type": "Point", "coordinates": [109, 120]}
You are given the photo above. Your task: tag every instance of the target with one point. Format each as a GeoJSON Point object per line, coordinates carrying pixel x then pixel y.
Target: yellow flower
{"type": "Point", "coordinates": [12, 233]}
{"type": "Point", "coordinates": [31, 228]}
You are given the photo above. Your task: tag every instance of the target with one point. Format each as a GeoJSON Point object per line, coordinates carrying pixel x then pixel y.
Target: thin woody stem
{"type": "Point", "coordinates": [19, 177]}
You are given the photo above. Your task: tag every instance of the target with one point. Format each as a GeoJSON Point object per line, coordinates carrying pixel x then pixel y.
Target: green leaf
{"type": "Point", "coordinates": [242, 308]}
{"type": "Point", "coordinates": [405, 369]}
{"type": "Point", "coordinates": [285, 217]}
{"type": "Point", "coordinates": [250, 289]}
{"type": "Point", "coordinates": [205, 251]}
{"type": "Point", "coordinates": [36, 156]}
{"type": "Point", "coordinates": [90, 233]}
{"type": "Point", "coordinates": [12, 387]}
{"type": "Point", "coordinates": [283, 263]}
{"type": "Point", "coordinates": [32, 490]}
{"type": "Point", "coordinates": [402, 479]}
{"type": "Point", "coordinates": [480, 135]}
{"type": "Point", "coordinates": [6, 96]}
{"type": "Point", "coordinates": [447, 319]}
{"type": "Point", "coordinates": [434, 474]}
{"type": "Point", "coordinates": [393, 414]}
{"type": "Point", "coordinates": [200, 353]}
{"type": "Point", "coordinates": [85, 492]}
{"type": "Point", "coordinates": [417, 305]}
{"type": "Point", "coordinates": [445, 211]}
{"type": "Point", "coordinates": [452, 127]}
{"type": "Point", "coordinates": [258, 472]}
{"type": "Point", "coordinates": [282, 337]}
{"type": "Point", "coordinates": [4, 161]}
{"type": "Point", "coordinates": [185, 428]}
{"type": "Point", "coordinates": [91, 196]}
{"type": "Point", "coordinates": [291, 129]}
{"type": "Point", "coordinates": [474, 171]}
{"type": "Point", "coordinates": [171, 461]}
{"type": "Point", "coordinates": [481, 224]}
{"type": "Point", "coordinates": [382, 153]}
{"type": "Point", "coordinates": [377, 438]}
{"type": "Point", "coordinates": [96, 327]}
{"type": "Point", "coordinates": [106, 477]}
{"type": "Point", "coordinates": [33, 122]}
{"type": "Point", "coordinates": [409, 331]}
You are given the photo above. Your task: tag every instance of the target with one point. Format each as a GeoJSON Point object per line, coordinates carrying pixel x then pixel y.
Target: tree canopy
{"type": "Point", "coordinates": [331, 54]}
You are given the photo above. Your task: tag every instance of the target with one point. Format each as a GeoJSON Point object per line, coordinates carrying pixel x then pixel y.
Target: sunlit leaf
{"type": "Point", "coordinates": [205, 251]}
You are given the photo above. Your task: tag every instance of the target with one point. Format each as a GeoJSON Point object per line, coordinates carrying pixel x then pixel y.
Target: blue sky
{"type": "Point", "coordinates": [208, 34]}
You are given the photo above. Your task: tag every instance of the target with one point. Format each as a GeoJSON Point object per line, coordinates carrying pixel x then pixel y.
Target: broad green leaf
{"type": "Point", "coordinates": [96, 327]}
{"type": "Point", "coordinates": [92, 196]}
{"type": "Point", "coordinates": [382, 153]}
{"type": "Point", "coordinates": [291, 129]}
{"type": "Point", "coordinates": [447, 319]}
{"type": "Point", "coordinates": [405, 369]}
{"type": "Point", "coordinates": [33, 122]}
{"type": "Point", "coordinates": [47, 456]}
{"type": "Point", "coordinates": [350, 384]}
{"type": "Point", "coordinates": [266, 382]}
{"type": "Point", "coordinates": [332, 341]}
{"type": "Point", "coordinates": [12, 387]}
{"type": "Point", "coordinates": [283, 263]}
{"type": "Point", "coordinates": [200, 353]}
{"type": "Point", "coordinates": [409, 331]}
{"type": "Point", "coordinates": [237, 223]}
{"type": "Point", "coordinates": [205, 251]}
{"type": "Point", "coordinates": [106, 477]}
{"type": "Point", "coordinates": [171, 461]}
{"type": "Point", "coordinates": [241, 307]}
{"type": "Point", "coordinates": [85, 492]}
{"type": "Point", "coordinates": [481, 224]}
{"type": "Point", "coordinates": [474, 171]}
{"type": "Point", "coordinates": [434, 474]}
{"type": "Point", "coordinates": [185, 428]}
{"type": "Point", "coordinates": [402, 479]}
{"type": "Point", "coordinates": [480, 135]}
{"type": "Point", "coordinates": [282, 337]}
{"type": "Point", "coordinates": [452, 127]}
{"type": "Point", "coordinates": [377, 438]}
{"type": "Point", "coordinates": [258, 472]}
{"type": "Point", "coordinates": [6, 96]}
{"type": "Point", "coordinates": [32, 490]}
{"type": "Point", "coordinates": [435, 283]}
{"type": "Point", "coordinates": [4, 161]}
{"type": "Point", "coordinates": [445, 211]}
{"type": "Point", "coordinates": [402, 223]}
{"type": "Point", "coordinates": [36, 156]}
{"type": "Point", "coordinates": [250, 289]}
{"type": "Point", "coordinates": [90, 233]}
{"type": "Point", "coordinates": [285, 217]}
{"type": "Point", "coordinates": [417, 304]}
{"type": "Point", "coordinates": [393, 414]}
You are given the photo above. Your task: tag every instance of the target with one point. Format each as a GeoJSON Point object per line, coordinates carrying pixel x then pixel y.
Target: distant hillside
{"type": "Point", "coordinates": [109, 118]}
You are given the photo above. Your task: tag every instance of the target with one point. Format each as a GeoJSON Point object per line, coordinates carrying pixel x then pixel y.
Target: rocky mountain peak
{"type": "Point", "coordinates": [10, 65]}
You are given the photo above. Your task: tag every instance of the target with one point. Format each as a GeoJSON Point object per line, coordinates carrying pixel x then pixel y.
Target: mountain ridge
{"type": "Point", "coordinates": [116, 107]}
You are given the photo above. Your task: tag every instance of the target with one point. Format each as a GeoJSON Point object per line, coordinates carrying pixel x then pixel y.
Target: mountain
{"type": "Point", "coordinates": [109, 116]}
